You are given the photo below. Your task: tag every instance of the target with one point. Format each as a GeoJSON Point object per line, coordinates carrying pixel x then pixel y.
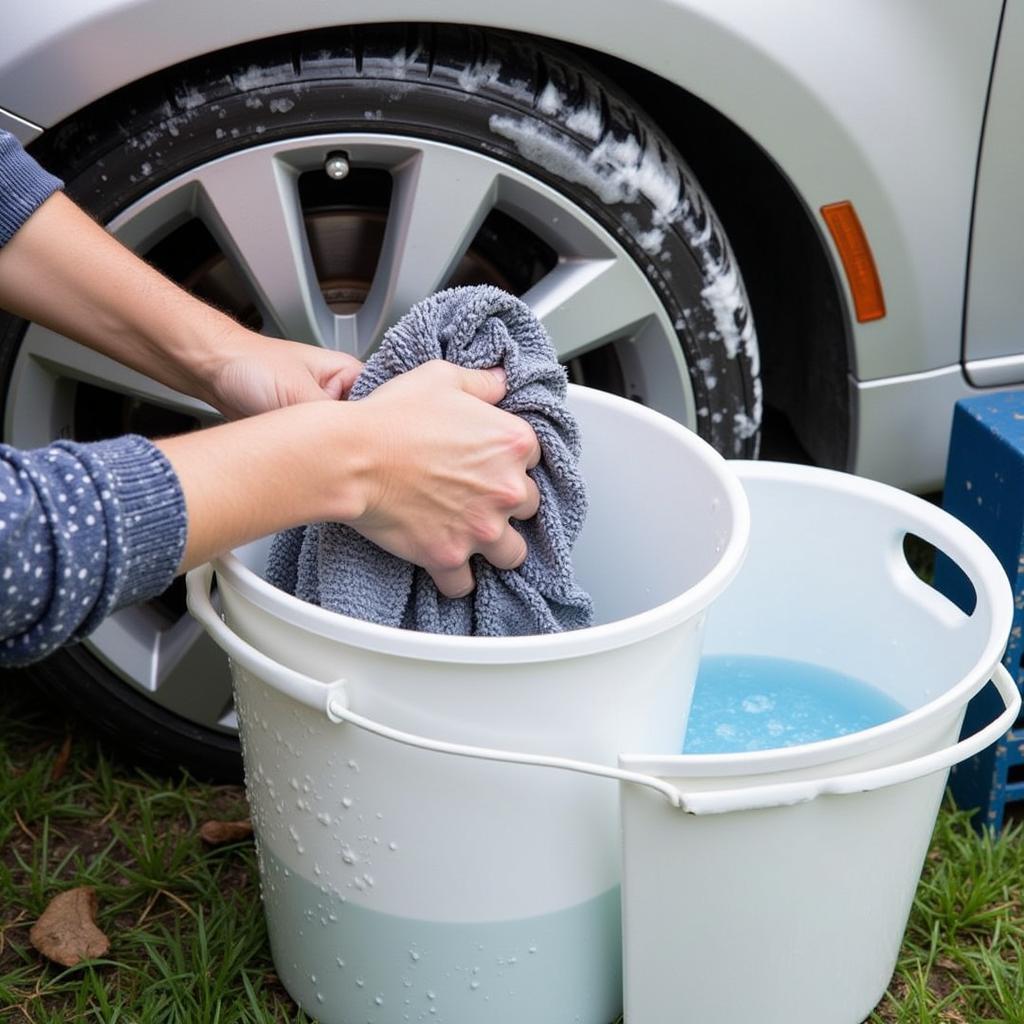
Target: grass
{"type": "Point", "coordinates": [188, 943]}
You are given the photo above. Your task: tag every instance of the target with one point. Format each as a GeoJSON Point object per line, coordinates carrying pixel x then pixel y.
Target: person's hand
{"type": "Point", "coordinates": [256, 374]}
{"type": "Point", "coordinates": [449, 472]}
{"type": "Point", "coordinates": [425, 467]}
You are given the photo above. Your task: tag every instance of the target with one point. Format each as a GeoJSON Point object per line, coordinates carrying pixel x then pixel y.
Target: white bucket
{"type": "Point", "coordinates": [784, 897]}
{"type": "Point", "coordinates": [399, 885]}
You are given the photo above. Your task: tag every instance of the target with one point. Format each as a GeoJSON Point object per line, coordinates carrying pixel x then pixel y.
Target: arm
{"type": "Point", "coordinates": [425, 467]}
{"type": "Point", "coordinates": [62, 270]}
{"type": "Point", "coordinates": [59, 268]}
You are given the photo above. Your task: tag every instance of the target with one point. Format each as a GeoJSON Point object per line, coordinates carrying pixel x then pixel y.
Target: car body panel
{"type": "Point", "coordinates": [995, 304]}
{"type": "Point", "coordinates": [902, 425]}
{"type": "Point", "coordinates": [880, 102]}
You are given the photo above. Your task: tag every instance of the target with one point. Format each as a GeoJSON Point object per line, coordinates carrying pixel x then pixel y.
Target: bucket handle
{"type": "Point", "coordinates": [331, 699]}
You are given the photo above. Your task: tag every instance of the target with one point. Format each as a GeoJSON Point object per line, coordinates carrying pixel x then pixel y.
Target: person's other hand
{"type": "Point", "coordinates": [255, 374]}
{"type": "Point", "coordinates": [448, 472]}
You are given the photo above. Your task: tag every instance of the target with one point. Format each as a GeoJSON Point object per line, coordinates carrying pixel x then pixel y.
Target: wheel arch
{"type": "Point", "coordinates": [796, 296]}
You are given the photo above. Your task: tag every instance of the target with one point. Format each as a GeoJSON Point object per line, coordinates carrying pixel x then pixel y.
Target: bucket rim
{"type": "Point", "coordinates": [405, 643]}
{"type": "Point", "coordinates": [952, 701]}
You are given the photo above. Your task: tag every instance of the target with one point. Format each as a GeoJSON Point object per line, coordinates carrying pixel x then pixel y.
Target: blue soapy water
{"type": "Point", "coordinates": [749, 702]}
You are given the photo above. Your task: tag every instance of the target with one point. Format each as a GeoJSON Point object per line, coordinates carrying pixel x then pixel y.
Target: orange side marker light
{"type": "Point", "coordinates": [861, 272]}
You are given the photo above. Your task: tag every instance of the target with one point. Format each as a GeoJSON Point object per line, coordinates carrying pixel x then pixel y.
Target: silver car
{"type": "Point", "coordinates": [653, 178]}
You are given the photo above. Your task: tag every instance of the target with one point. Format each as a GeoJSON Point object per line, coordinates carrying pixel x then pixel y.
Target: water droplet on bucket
{"type": "Point", "coordinates": [379, 1000]}
{"type": "Point", "coordinates": [360, 983]}
{"type": "Point", "coordinates": [340, 962]}
{"type": "Point", "coordinates": [294, 783]}
{"type": "Point", "coordinates": [533, 949]}
{"type": "Point", "coordinates": [431, 994]}
{"type": "Point", "coordinates": [413, 955]}
{"type": "Point", "coordinates": [346, 801]}
{"type": "Point", "coordinates": [324, 818]}
{"type": "Point", "coordinates": [319, 997]}
{"type": "Point", "coordinates": [312, 978]}
{"type": "Point", "coordinates": [353, 766]}
{"type": "Point", "coordinates": [392, 846]}
{"type": "Point", "coordinates": [474, 984]}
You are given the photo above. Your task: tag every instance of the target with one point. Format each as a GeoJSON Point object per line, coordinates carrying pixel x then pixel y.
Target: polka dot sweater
{"type": "Point", "coordinates": [24, 185]}
{"type": "Point", "coordinates": [84, 530]}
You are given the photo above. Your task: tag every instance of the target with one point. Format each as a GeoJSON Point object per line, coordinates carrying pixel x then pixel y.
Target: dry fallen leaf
{"type": "Point", "coordinates": [66, 932]}
{"type": "Point", "coordinates": [217, 833]}
{"type": "Point", "coordinates": [60, 763]}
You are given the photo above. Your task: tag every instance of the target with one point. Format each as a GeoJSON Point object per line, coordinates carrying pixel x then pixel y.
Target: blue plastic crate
{"type": "Point", "coordinates": [985, 490]}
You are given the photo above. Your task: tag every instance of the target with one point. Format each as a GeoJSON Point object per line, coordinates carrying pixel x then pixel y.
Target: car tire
{"type": "Point", "coordinates": [536, 107]}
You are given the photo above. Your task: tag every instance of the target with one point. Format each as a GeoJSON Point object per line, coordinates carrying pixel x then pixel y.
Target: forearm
{"type": "Point", "coordinates": [267, 473]}
{"type": "Point", "coordinates": [62, 270]}
{"type": "Point", "coordinates": [88, 528]}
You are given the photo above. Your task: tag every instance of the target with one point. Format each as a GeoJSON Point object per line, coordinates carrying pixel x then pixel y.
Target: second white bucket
{"type": "Point", "coordinates": [403, 886]}
{"type": "Point", "coordinates": [782, 897]}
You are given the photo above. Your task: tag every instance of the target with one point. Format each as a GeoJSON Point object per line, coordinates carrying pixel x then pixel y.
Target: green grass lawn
{"type": "Point", "coordinates": [188, 942]}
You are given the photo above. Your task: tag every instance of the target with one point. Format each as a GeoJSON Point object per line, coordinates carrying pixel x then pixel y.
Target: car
{"type": "Point", "coordinates": [655, 179]}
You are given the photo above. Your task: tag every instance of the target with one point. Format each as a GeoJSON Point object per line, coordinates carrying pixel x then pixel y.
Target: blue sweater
{"type": "Point", "coordinates": [84, 528]}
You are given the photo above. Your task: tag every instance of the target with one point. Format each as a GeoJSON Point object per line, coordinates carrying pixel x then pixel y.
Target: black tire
{"type": "Point", "coordinates": [448, 84]}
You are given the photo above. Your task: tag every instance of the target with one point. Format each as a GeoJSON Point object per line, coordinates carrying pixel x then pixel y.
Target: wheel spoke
{"type": "Point", "coordinates": [191, 674]}
{"type": "Point", "coordinates": [585, 303]}
{"type": "Point", "coordinates": [250, 203]}
{"type": "Point", "coordinates": [177, 665]}
{"type": "Point", "coordinates": [441, 197]}
{"type": "Point", "coordinates": [47, 358]}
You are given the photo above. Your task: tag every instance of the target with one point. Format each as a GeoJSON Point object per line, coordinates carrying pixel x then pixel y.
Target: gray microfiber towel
{"type": "Point", "coordinates": [333, 566]}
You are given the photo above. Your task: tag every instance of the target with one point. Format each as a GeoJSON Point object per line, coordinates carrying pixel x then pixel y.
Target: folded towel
{"type": "Point", "coordinates": [333, 566]}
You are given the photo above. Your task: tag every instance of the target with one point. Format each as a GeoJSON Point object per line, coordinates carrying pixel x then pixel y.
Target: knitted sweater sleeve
{"type": "Point", "coordinates": [24, 186]}
{"type": "Point", "coordinates": [84, 530]}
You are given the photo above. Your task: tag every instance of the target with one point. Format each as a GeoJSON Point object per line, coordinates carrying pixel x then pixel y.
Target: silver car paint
{"type": "Point", "coordinates": [995, 305]}
{"type": "Point", "coordinates": [880, 102]}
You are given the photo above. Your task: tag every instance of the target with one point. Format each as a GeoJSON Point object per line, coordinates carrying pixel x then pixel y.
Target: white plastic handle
{"type": "Point", "coordinates": [783, 794]}
{"type": "Point", "coordinates": [966, 551]}
{"type": "Point", "coordinates": [332, 700]}
{"type": "Point", "coordinates": [311, 692]}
